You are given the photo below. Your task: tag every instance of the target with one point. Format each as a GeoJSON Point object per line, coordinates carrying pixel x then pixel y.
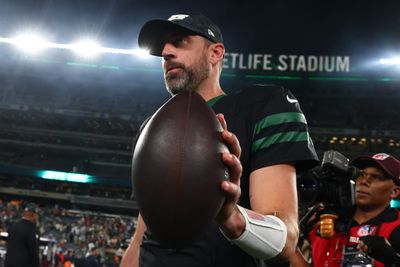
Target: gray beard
{"type": "Point", "coordinates": [177, 84]}
{"type": "Point", "coordinates": [189, 80]}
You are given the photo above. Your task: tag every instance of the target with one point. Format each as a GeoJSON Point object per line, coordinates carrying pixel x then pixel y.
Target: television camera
{"type": "Point", "coordinates": [331, 184]}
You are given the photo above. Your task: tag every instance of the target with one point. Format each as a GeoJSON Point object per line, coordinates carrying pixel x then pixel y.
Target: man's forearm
{"type": "Point", "coordinates": [297, 259]}
{"type": "Point", "coordinates": [132, 253]}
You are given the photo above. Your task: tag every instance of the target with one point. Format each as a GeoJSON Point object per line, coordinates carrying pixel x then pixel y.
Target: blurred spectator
{"type": "Point", "coordinates": [59, 258]}
{"type": "Point", "coordinates": [93, 259]}
{"type": "Point", "coordinates": [73, 231]}
{"type": "Point", "coordinates": [23, 240]}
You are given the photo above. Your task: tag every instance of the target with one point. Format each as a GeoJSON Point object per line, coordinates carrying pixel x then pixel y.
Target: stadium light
{"type": "Point", "coordinates": [34, 43]}
{"type": "Point", "coordinates": [65, 176]}
{"type": "Point", "coordinates": [29, 42]}
{"type": "Point", "coordinates": [142, 53]}
{"type": "Point", "coordinates": [389, 61]}
{"type": "Point", "coordinates": [87, 48]}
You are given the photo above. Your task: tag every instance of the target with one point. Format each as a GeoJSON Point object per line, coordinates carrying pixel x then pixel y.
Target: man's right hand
{"type": "Point", "coordinates": [229, 213]}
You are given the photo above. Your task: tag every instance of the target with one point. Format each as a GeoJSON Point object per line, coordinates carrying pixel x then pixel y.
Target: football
{"type": "Point", "coordinates": [177, 169]}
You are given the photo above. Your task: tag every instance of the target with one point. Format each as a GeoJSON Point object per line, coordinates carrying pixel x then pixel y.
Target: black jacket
{"type": "Point", "coordinates": [22, 245]}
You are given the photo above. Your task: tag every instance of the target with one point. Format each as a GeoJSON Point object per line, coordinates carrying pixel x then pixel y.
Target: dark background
{"type": "Point", "coordinates": [66, 113]}
{"type": "Point", "coordinates": [257, 26]}
{"type": "Point", "coordinates": [62, 112]}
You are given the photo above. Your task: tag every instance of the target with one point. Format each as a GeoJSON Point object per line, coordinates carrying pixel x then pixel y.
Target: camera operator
{"type": "Point", "coordinates": [369, 233]}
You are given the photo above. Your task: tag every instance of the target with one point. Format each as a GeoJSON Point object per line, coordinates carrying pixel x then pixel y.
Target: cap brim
{"type": "Point", "coordinates": [151, 36]}
{"type": "Point", "coordinates": [363, 162]}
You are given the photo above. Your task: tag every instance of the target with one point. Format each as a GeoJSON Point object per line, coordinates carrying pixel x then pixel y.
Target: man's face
{"type": "Point", "coordinates": [185, 62]}
{"type": "Point", "coordinates": [373, 189]}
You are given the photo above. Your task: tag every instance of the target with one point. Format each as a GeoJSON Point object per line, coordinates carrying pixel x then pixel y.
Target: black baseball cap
{"type": "Point", "coordinates": [387, 162]}
{"type": "Point", "coordinates": [152, 32]}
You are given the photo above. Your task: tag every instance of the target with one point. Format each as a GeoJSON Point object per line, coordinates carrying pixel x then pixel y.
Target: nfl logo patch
{"type": "Point", "coordinates": [364, 230]}
{"type": "Point", "coordinates": [380, 156]}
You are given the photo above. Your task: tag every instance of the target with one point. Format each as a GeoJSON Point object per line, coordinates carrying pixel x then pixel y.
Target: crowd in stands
{"type": "Point", "coordinates": [351, 113]}
{"type": "Point", "coordinates": [71, 234]}
{"type": "Point", "coordinates": [354, 144]}
{"type": "Point", "coordinates": [102, 144]}
{"type": "Point", "coordinates": [45, 185]}
{"type": "Point", "coordinates": [87, 124]}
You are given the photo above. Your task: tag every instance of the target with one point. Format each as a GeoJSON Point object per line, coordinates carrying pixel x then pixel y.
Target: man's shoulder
{"type": "Point", "coordinates": [390, 215]}
{"type": "Point", "coordinates": [252, 96]}
{"type": "Point", "coordinates": [258, 92]}
{"type": "Point", "coordinates": [18, 224]}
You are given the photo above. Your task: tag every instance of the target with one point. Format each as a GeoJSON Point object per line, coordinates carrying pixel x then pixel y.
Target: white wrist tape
{"type": "Point", "coordinates": [264, 236]}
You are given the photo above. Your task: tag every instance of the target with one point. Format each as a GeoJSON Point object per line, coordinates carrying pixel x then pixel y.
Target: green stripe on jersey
{"type": "Point", "coordinates": [278, 118]}
{"type": "Point", "coordinates": [294, 136]}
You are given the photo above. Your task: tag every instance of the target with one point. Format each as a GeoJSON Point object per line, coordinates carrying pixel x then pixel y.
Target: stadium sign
{"type": "Point", "coordinates": [287, 63]}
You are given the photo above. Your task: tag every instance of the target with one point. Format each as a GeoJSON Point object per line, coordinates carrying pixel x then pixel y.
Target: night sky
{"type": "Point", "coordinates": [310, 27]}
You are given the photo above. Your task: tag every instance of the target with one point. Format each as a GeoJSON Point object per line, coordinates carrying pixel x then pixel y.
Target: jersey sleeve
{"type": "Point", "coordinates": [280, 132]}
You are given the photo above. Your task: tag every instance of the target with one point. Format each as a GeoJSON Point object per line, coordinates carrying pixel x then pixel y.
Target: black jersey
{"type": "Point", "coordinates": [271, 129]}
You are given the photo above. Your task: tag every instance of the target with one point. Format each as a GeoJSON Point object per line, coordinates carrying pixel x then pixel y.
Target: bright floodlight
{"type": "Point", "coordinates": [142, 53]}
{"type": "Point", "coordinates": [87, 48]}
{"type": "Point", "coordinates": [30, 42]}
{"type": "Point", "coordinates": [390, 61]}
